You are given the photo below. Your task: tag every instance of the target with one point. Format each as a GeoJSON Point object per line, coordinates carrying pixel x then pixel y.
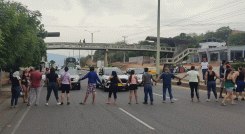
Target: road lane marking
{"type": "Point", "coordinates": [162, 96]}
{"type": "Point", "coordinates": [21, 119]}
{"type": "Point", "coordinates": [137, 119]}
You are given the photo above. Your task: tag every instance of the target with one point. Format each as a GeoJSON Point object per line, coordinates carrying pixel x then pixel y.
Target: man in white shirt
{"type": "Point", "coordinates": [204, 66]}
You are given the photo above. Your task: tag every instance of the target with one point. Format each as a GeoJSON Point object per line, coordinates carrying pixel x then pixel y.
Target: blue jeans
{"type": "Point", "coordinates": [203, 73]}
{"type": "Point", "coordinates": [15, 95]}
{"type": "Point", "coordinates": [148, 89]}
{"type": "Point", "coordinates": [165, 87]}
{"type": "Point", "coordinates": [211, 84]}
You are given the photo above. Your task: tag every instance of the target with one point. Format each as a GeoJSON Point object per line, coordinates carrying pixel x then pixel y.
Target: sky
{"type": "Point", "coordinates": [135, 19]}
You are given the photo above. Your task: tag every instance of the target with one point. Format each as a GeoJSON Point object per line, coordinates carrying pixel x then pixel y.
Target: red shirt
{"type": "Point", "coordinates": [36, 78]}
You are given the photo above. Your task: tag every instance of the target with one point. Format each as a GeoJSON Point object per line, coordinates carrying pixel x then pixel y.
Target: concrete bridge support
{"type": "Point", "coordinates": [105, 60]}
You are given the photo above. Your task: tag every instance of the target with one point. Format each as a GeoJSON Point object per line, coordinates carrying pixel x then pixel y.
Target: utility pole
{"type": "Point", "coordinates": [124, 51]}
{"type": "Point", "coordinates": [92, 33]}
{"type": "Point", "coordinates": [158, 40]}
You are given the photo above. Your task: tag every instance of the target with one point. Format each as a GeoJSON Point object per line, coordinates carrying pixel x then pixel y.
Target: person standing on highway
{"type": "Point", "coordinates": [65, 86]}
{"type": "Point", "coordinates": [146, 80]}
{"type": "Point", "coordinates": [204, 66]}
{"type": "Point", "coordinates": [166, 78]}
{"type": "Point", "coordinates": [25, 76]}
{"type": "Point", "coordinates": [229, 86]}
{"type": "Point", "coordinates": [35, 80]}
{"type": "Point", "coordinates": [53, 81]}
{"type": "Point", "coordinates": [221, 74]}
{"type": "Point", "coordinates": [210, 82]}
{"type": "Point", "coordinates": [16, 88]}
{"type": "Point", "coordinates": [92, 80]}
{"type": "Point", "coordinates": [113, 86]}
{"type": "Point", "coordinates": [239, 77]}
{"type": "Point", "coordinates": [132, 80]}
{"type": "Point", "coordinates": [194, 80]}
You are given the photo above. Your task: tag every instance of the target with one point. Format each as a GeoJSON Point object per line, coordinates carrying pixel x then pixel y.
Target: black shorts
{"type": "Point", "coordinates": [133, 87]}
{"type": "Point", "coordinates": [65, 88]}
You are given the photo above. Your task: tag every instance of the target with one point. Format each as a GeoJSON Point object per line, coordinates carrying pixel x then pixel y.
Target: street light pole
{"type": "Point", "coordinates": [92, 34]}
{"type": "Point", "coordinates": [158, 40]}
{"type": "Point", "coordinates": [124, 51]}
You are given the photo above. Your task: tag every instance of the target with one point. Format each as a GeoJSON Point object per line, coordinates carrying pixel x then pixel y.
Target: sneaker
{"type": "Point", "coordinates": [68, 103]}
{"type": "Point", "coordinates": [242, 99]}
{"type": "Point", "coordinates": [207, 100]}
{"type": "Point", "coordinates": [58, 103]}
{"type": "Point", "coordinates": [151, 102]}
{"type": "Point", "coordinates": [28, 104]}
{"type": "Point", "coordinates": [172, 101]}
{"type": "Point", "coordinates": [36, 104]}
{"type": "Point", "coordinates": [217, 100]}
{"type": "Point", "coordinates": [61, 103]}
{"type": "Point", "coordinates": [145, 103]}
{"type": "Point", "coordinates": [236, 99]}
{"type": "Point", "coordinates": [46, 104]}
{"type": "Point", "coordinates": [163, 102]}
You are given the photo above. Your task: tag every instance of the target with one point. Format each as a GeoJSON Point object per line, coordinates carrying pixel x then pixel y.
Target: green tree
{"type": "Point", "coordinates": [223, 33]}
{"type": "Point", "coordinates": [20, 43]}
{"type": "Point", "coordinates": [237, 39]}
{"type": "Point", "coordinates": [52, 62]}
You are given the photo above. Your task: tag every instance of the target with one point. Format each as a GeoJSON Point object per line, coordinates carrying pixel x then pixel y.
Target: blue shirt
{"type": "Point", "coordinates": [166, 78]}
{"type": "Point", "coordinates": [221, 71]}
{"type": "Point", "coordinates": [92, 77]}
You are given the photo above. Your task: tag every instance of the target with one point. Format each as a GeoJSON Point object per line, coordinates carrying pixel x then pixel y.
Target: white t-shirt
{"type": "Point", "coordinates": [204, 65]}
{"type": "Point", "coordinates": [193, 76]}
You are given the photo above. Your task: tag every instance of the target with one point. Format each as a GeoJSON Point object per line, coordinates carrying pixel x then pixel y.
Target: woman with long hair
{"type": "Point", "coordinates": [53, 81]}
{"type": "Point", "coordinates": [25, 77]}
{"type": "Point", "coordinates": [239, 77]}
{"type": "Point", "coordinates": [132, 80]}
{"type": "Point", "coordinates": [210, 82]}
{"type": "Point", "coordinates": [65, 85]}
{"type": "Point", "coordinates": [229, 86]}
{"type": "Point", "coordinates": [113, 86]}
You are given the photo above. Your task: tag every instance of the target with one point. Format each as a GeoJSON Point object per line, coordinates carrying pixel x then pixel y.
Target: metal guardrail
{"type": "Point", "coordinates": [105, 46]}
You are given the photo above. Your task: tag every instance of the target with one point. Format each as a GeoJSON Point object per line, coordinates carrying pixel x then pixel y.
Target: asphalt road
{"type": "Point", "coordinates": [182, 116]}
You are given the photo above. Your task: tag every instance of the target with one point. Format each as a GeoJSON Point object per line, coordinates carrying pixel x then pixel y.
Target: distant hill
{"type": "Point", "coordinates": [59, 59]}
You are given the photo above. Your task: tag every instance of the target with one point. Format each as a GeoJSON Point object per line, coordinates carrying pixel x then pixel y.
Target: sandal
{"type": "Point", "coordinates": [108, 103]}
{"type": "Point", "coordinates": [223, 104]}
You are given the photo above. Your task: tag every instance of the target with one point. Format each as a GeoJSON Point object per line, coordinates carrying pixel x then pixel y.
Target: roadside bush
{"type": "Point", "coordinates": [237, 65]}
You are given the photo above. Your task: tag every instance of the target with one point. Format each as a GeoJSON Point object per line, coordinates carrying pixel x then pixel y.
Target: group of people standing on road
{"type": "Point", "coordinates": [32, 80]}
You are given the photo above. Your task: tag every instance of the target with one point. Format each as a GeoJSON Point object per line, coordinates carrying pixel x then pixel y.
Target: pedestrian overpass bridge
{"type": "Point", "coordinates": [123, 47]}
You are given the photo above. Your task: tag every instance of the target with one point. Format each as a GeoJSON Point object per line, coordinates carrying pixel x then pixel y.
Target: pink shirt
{"type": "Point", "coordinates": [133, 80]}
{"type": "Point", "coordinates": [65, 78]}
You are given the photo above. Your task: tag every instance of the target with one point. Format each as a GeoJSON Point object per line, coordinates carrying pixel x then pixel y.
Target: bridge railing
{"type": "Point", "coordinates": [63, 45]}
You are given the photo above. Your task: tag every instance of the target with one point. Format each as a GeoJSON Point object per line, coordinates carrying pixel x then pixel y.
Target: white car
{"type": "Point", "coordinates": [105, 72]}
{"type": "Point", "coordinates": [74, 77]}
{"type": "Point", "coordinates": [78, 67]}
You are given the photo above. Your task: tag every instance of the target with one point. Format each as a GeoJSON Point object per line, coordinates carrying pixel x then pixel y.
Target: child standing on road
{"type": "Point", "coordinates": [113, 86]}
